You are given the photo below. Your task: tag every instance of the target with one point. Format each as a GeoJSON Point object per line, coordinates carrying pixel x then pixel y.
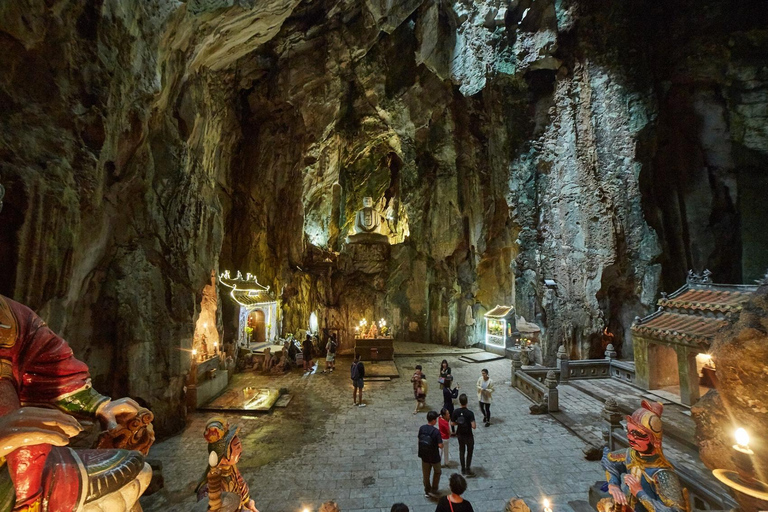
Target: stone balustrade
{"type": "Point", "coordinates": [540, 387]}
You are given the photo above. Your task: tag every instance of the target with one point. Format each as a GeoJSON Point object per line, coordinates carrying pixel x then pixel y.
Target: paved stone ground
{"type": "Point", "coordinates": [321, 447]}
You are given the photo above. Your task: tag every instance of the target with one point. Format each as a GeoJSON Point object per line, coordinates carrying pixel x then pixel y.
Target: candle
{"type": "Point", "coordinates": [214, 483]}
{"type": "Point", "coordinates": [194, 352]}
{"type": "Point", "coordinates": [742, 455]}
{"type": "Point", "coordinates": [546, 505]}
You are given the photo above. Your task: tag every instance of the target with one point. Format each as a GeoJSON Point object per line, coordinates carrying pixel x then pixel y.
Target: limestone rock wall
{"type": "Point", "coordinates": [741, 398]}
{"type": "Point", "coordinates": [146, 144]}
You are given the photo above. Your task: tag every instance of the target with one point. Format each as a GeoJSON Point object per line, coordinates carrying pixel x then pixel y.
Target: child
{"type": "Point", "coordinates": [419, 388]}
{"type": "Point", "coordinates": [444, 424]}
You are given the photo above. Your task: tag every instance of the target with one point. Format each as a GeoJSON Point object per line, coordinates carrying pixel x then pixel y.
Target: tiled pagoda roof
{"type": "Point", "coordinates": [679, 327]}
{"type": "Point", "coordinates": [694, 313]}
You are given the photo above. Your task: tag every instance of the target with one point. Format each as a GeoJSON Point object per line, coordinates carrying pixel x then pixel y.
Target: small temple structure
{"type": "Point", "coordinates": [500, 329]}
{"type": "Point", "coordinates": [258, 308]}
{"type": "Point", "coordinates": [671, 345]}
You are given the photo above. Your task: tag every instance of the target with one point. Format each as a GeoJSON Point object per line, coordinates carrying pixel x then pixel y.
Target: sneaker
{"type": "Point", "coordinates": [361, 405]}
{"type": "Point", "coordinates": [487, 423]}
{"type": "Point", "coordinates": [470, 473]}
{"type": "Point", "coordinates": [463, 471]}
{"type": "Point", "coordinates": [427, 495]}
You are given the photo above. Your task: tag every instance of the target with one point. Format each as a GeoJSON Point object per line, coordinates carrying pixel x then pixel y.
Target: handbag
{"type": "Point", "coordinates": [441, 380]}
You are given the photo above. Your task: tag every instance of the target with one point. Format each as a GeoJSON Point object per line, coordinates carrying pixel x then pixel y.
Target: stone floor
{"type": "Point", "coordinates": [321, 447]}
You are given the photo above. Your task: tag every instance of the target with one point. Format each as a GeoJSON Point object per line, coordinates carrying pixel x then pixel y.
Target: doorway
{"type": "Point", "coordinates": [257, 322]}
{"type": "Point", "coordinates": [664, 374]}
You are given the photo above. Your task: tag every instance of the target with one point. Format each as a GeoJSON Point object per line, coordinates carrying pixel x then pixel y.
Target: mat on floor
{"type": "Point", "coordinates": [380, 369]}
{"type": "Point", "coordinates": [244, 399]}
{"type": "Point", "coordinates": [480, 357]}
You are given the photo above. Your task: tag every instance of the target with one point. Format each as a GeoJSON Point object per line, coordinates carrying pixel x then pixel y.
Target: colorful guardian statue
{"type": "Point", "coordinates": [43, 390]}
{"type": "Point", "coordinates": [224, 443]}
{"type": "Point", "coordinates": [640, 478]}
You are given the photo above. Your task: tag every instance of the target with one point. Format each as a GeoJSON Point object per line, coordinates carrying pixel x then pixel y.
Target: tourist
{"type": "Point", "coordinates": [357, 374]}
{"type": "Point", "coordinates": [464, 420]}
{"type": "Point", "coordinates": [430, 444]}
{"type": "Point", "coordinates": [419, 381]}
{"type": "Point", "coordinates": [444, 426]}
{"type": "Point", "coordinates": [484, 392]}
{"type": "Point", "coordinates": [307, 353]}
{"type": "Point", "coordinates": [445, 373]}
{"type": "Point", "coordinates": [399, 507]}
{"type": "Point", "coordinates": [330, 358]}
{"type": "Point", "coordinates": [448, 396]}
{"type": "Point", "coordinates": [454, 502]}
{"type": "Point", "coordinates": [329, 506]}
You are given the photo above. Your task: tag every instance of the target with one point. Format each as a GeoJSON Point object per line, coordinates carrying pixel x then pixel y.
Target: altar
{"type": "Point", "coordinates": [374, 343]}
{"type": "Point", "coordinates": [375, 349]}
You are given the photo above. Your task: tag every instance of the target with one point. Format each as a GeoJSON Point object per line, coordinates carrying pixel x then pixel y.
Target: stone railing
{"type": "Point", "coordinates": [703, 495]}
{"type": "Point", "coordinates": [607, 368]}
{"type": "Point", "coordinates": [537, 385]}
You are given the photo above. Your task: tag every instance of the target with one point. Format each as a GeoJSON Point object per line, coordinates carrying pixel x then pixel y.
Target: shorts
{"type": "Point", "coordinates": [330, 357]}
{"type": "Point", "coordinates": [358, 383]}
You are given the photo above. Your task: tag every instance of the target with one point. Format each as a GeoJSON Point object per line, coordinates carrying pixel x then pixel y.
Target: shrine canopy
{"type": "Point", "coordinates": [246, 291]}
{"type": "Point", "coordinates": [258, 318]}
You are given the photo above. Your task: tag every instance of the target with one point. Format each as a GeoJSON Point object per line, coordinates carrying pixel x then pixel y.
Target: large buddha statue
{"type": "Point", "coordinates": [368, 225]}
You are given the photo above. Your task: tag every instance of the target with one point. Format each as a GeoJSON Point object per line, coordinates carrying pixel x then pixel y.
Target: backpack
{"type": "Point", "coordinates": [424, 386]}
{"type": "Point", "coordinates": [354, 372]}
{"type": "Point", "coordinates": [333, 347]}
{"type": "Point", "coordinates": [426, 445]}
{"type": "Point", "coordinates": [464, 426]}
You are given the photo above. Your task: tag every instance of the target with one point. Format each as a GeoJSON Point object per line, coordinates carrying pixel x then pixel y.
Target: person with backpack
{"type": "Point", "coordinates": [430, 444]}
{"type": "Point", "coordinates": [330, 358]}
{"type": "Point", "coordinates": [357, 374]}
{"type": "Point", "coordinates": [464, 419]}
{"type": "Point", "coordinates": [419, 381]}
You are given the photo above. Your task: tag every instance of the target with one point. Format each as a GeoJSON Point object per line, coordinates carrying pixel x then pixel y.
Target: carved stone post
{"type": "Point", "coordinates": [553, 400]}
{"type": "Point", "coordinates": [563, 363]}
{"type": "Point", "coordinates": [610, 352]}
{"type": "Point", "coordinates": [611, 422]}
{"type": "Point", "coordinates": [516, 366]}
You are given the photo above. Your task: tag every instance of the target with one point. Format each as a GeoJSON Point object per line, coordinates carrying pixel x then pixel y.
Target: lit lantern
{"type": "Point", "coordinates": [546, 505]}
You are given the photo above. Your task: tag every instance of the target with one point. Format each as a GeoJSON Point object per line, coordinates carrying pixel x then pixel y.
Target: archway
{"type": "Point", "coordinates": [257, 322]}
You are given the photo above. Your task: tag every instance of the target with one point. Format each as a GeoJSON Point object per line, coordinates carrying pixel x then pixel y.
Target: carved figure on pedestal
{"type": "Point", "coordinates": [42, 389]}
{"type": "Point", "coordinates": [224, 442]}
{"type": "Point", "coordinates": [640, 478]}
{"type": "Point", "coordinates": [368, 225]}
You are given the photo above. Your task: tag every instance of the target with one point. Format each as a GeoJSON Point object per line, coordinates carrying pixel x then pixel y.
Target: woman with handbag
{"type": "Point", "coordinates": [445, 370]}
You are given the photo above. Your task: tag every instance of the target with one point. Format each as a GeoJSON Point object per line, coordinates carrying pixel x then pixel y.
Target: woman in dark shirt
{"type": "Point", "coordinates": [454, 502]}
{"type": "Point", "coordinates": [444, 371]}
{"type": "Point", "coordinates": [448, 396]}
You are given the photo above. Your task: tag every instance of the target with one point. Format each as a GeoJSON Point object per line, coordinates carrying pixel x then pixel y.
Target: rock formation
{"type": "Point", "coordinates": [606, 146]}
{"type": "Point", "coordinates": [740, 353]}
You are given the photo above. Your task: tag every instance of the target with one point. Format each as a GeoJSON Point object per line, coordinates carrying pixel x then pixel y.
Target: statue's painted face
{"type": "Point", "coordinates": [367, 202]}
{"type": "Point", "coordinates": [638, 439]}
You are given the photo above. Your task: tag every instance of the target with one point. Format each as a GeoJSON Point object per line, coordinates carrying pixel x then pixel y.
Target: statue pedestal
{"type": "Point", "coordinates": [230, 502]}
{"type": "Point", "coordinates": [375, 349]}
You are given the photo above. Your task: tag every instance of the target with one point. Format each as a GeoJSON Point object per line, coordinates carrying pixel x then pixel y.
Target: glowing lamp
{"type": "Point", "coordinates": [742, 441]}
{"type": "Point", "coordinates": [546, 505]}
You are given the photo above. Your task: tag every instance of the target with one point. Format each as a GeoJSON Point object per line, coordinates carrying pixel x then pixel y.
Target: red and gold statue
{"type": "Point", "coordinates": [43, 390]}
{"type": "Point", "coordinates": [224, 442]}
{"type": "Point", "coordinates": [640, 478]}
